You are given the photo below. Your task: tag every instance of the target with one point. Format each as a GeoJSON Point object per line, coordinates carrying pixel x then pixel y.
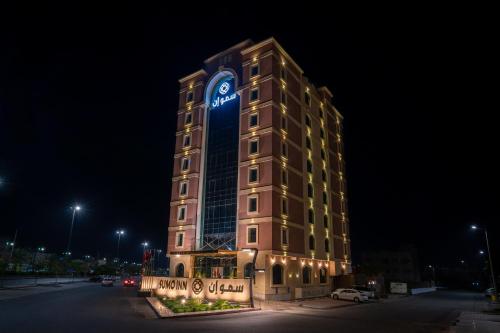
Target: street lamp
{"type": "Point", "coordinates": [120, 233]}
{"type": "Point", "coordinates": [75, 209]}
{"type": "Point", "coordinates": [494, 295]}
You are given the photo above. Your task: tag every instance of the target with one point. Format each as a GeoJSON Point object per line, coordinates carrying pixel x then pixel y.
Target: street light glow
{"type": "Point", "coordinates": [78, 208]}
{"type": "Point", "coordinates": [481, 252]}
{"type": "Point", "coordinates": [473, 227]}
{"type": "Point", "coordinates": [120, 232]}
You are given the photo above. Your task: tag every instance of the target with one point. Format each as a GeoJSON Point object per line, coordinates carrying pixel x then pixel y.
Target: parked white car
{"type": "Point", "coordinates": [349, 294]}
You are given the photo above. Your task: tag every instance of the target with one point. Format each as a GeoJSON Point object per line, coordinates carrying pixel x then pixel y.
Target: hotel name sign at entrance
{"type": "Point", "coordinates": [227, 289]}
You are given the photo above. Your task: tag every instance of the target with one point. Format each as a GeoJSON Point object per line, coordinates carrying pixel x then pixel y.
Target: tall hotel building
{"type": "Point", "coordinates": [259, 165]}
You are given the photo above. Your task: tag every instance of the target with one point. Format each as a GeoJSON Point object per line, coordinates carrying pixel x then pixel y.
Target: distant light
{"type": "Point", "coordinates": [430, 266]}
{"type": "Point", "coordinates": [78, 208]}
{"type": "Point", "coordinates": [209, 303]}
{"type": "Point", "coordinates": [183, 301]}
{"type": "Point", "coordinates": [481, 252]}
{"type": "Point", "coordinates": [473, 227]}
{"type": "Point", "coordinates": [462, 261]}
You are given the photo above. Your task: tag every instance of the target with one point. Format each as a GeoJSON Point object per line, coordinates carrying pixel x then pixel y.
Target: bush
{"type": "Point", "coordinates": [195, 305]}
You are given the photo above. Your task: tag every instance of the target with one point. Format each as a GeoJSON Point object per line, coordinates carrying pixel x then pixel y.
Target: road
{"type": "Point", "coordinates": [92, 308]}
{"type": "Point", "coordinates": [17, 282]}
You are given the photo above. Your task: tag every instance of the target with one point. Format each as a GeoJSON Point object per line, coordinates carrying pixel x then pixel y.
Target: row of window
{"type": "Point", "coordinates": [309, 146]}
{"type": "Point", "coordinates": [255, 71]}
{"type": "Point", "coordinates": [310, 193]}
{"type": "Point", "coordinates": [311, 220]}
{"type": "Point", "coordinates": [278, 275]}
{"type": "Point", "coordinates": [312, 244]}
{"type": "Point", "coordinates": [253, 235]}
{"type": "Point", "coordinates": [253, 121]}
{"type": "Point", "coordinates": [254, 175]}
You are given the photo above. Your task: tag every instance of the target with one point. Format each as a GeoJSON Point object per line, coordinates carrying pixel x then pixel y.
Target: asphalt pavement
{"type": "Point", "coordinates": [92, 308]}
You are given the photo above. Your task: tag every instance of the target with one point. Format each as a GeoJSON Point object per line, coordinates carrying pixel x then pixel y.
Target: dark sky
{"type": "Point", "coordinates": [88, 101]}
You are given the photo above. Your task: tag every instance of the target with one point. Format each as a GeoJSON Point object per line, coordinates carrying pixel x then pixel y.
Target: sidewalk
{"type": "Point", "coordinates": [480, 322]}
{"type": "Point", "coordinates": [320, 303]}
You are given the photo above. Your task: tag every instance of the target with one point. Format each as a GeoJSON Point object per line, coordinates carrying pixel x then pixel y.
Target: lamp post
{"type": "Point", "coordinates": [12, 245]}
{"type": "Point", "coordinates": [144, 245]}
{"type": "Point", "coordinates": [494, 296]}
{"type": "Point", "coordinates": [433, 269]}
{"type": "Point", "coordinates": [120, 233]}
{"type": "Point", "coordinates": [75, 209]}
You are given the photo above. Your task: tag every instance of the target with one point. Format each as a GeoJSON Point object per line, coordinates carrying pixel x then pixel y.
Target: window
{"type": "Point", "coordinates": [254, 94]}
{"type": "Point", "coordinates": [323, 154]}
{"type": "Point", "coordinates": [284, 236]}
{"type": "Point", "coordinates": [310, 216]}
{"type": "Point", "coordinates": [311, 242]}
{"type": "Point", "coordinates": [323, 275]}
{"type": "Point", "coordinates": [185, 164]}
{"type": "Point", "coordinates": [306, 275]}
{"type": "Point", "coordinates": [188, 118]}
{"type": "Point", "coordinates": [307, 98]}
{"type": "Point", "coordinates": [284, 206]}
{"type": "Point", "coordinates": [253, 146]}
{"type": "Point", "coordinates": [179, 239]}
{"type": "Point", "coordinates": [179, 270]}
{"type": "Point", "coordinates": [321, 113]}
{"type": "Point", "coordinates": [327, 245]}
{"type": "Point", "coordinates": [310, 191]}
{"type": "Point", "coordinates": [253, 120]}
{"type": "Point", "coordinates": [253, 174]}
{"type": "Point", "coordinates": [283, 97]}
{"type": "Point", "coordinates": [308, 143]}
{"type": "Point", "coordinates": [284, 149]}
{"type": "Point", "coordinates": [325, 221]}
{"type": "Point", "coordinates": [189, 97]}
{"type": "Point", "coordinates": [322, 133]}
{"type": "Point", "coordinates": [254, 70]}
{"type": "Point", "coordinates": [253, 204]}
{"type": "Point", "coordinates": [325, 198]}
{"type": "Point", "coordinates": [252, 235]}
{"type": "Point", "coordinates": [323, 175]}
{"type": "Point", "coordinates": [283, 73]}
{"type": "Point", "coordinates": [309, 166]}
{"type": "Point", "coordinates": [277, 274]}
{"type": "Point", "coordinates": [284, 123]}
{"type": "Point", "coordinates": [247, 271]}
{"type": "Point", "coordinates": [183, 188]}
{"type": "Point", "coordinates": [181, 213]}
{"type": "Point", "coordinates": [308, 121]}
{"type": "Point", "coordinates": [187, 140]}
{"type": "Point", "coordinates": [284, 177]}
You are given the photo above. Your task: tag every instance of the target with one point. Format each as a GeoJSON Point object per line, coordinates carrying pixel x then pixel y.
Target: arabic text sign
{"type": "Point", "coordinates": [227, 289]}
{"type": "Point", "coordinates": [223, 92]}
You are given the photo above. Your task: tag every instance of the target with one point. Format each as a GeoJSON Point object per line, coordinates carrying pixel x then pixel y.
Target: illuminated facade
{"type": "Point", "coordinates": [259, 165]}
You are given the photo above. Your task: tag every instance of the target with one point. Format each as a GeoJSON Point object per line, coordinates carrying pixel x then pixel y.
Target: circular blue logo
{"type": "Point", "coordinates": [224, 88]}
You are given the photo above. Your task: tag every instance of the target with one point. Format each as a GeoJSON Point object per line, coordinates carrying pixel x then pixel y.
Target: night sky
{"type": "Point", "coordinates": [89, 95]}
